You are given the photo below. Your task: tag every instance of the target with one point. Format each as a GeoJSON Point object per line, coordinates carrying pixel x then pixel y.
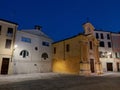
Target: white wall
{"type": "Point", "coordinates": [104, 61]}
{"type": "Point", "coordinates": [32, 63]}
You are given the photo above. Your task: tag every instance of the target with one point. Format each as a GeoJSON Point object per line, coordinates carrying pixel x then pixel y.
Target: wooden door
{"type": "Point", "coordinates": [118, 69]}
{"type": "Point", "coordinates": [109, 67]}
{"type": "Point", "coordinates": [5, 65]}
{"type": "Point", "coordinates": [92, 65]}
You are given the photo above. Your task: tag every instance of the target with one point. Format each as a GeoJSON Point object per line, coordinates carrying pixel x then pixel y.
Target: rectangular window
{"type": "Point", "coordinates": [101, 36]}
{"type": "Point", "coordinates": [10, 32]}
{"type": "Point", "coordinates": [97, 35]}
{"type": "Point", "coordinates": [108, 36]}
{"type": "Point", "coordinates": [67, 48]}
{"type": "Point", "coordinates": [0, 29]}
{"type": "Point", "coordinates": [110, 55]}
{"type": "Point", "coordinates": [54, 50]}
{"type": "Point", "coordinates": [109, 44]}
{"type": "Point", "coordinates": [102, 44]}
{"type": "Point", "coordinates": [44, 43]}
{"type": "Point", "coordinates": [90, 45]}
{"type": "Point", "coordinates": [117, 54]}
{"type": "Point", "coordinates": [103, 54]}
{"type": "Point", "coordinates": [8, 43]}
{"type": "Point", "coordinates": [25, 39]}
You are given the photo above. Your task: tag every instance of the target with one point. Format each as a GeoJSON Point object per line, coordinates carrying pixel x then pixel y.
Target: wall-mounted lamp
{"type": "Point", "coordinates": [15, 46]}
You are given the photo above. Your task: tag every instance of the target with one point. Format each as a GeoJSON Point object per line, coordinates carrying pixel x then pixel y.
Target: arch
{"type": "Point", "coordinates": [44, 56]}
{"type": "Point", "coordinates": [24, 53]}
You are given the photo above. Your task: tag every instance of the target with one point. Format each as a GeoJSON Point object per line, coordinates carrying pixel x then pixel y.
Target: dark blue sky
{"type": "Point", "coordinates": [62, 18]}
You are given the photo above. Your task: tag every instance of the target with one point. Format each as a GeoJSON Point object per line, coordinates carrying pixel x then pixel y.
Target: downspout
{"type": "Point", "coordinates": [13, 43]}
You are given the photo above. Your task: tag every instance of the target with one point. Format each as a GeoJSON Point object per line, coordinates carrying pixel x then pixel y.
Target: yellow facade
{"type": "Point", "coordinates": [81, 58]}
{"type": "Point", "coordinates": [6, 53]}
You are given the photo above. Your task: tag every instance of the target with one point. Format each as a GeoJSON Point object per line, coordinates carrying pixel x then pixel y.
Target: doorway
{"type": "Point", "coordinates": [109, 66]}
{"type": "Point", "coordinates": [92, 65]}
{"type": "Point", "coordinates": [5, 65]}
{"type": "Point", "coordinates": [118, 65]}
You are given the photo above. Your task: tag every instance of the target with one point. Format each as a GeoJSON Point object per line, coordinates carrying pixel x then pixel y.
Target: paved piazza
{"type": "Point", "coordinates": [54, 81]}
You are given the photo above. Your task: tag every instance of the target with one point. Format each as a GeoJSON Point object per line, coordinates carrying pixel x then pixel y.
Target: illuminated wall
{"type": "Point", "coordinates": [73, 55]}
{"type": "Point", "coordinates": [34, 52]}
{"type": "Point", "coordinates": [7, 33]}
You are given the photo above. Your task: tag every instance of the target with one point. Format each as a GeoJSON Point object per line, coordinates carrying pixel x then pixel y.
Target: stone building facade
{"type": "Point", "coordinates": [33, 53]}
{"type": "Point", "coordinates": [77, 55]}
{"type": "Point", "coordinates": [116, 50]}
{"type": "Point", "coordinates": [109, 48]}
{"type": "Point", "coordinates": [7, 37]}
{"type": "Point", "coordinates": [24, 51]}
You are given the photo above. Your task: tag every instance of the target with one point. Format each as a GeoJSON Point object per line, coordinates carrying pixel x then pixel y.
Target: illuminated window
{"type": "Point", "coordinates": [10, 32]}
{"type": "Point", "coordinates": [25, 39]}
{"type": "Point", "coordinates": [103, 54]}
{"type": "Point", "coordinates": [44, 56]}
{"type": "Point", "coordinates": [8, 43]}
{"type": "Point", "coordinates": [24, 53]}
{"type": "Point", "coordinates": [67, 48]}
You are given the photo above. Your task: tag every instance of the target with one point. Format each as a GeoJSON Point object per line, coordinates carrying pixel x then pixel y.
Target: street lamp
{"type": "Point", "coordinates": [15, 47]}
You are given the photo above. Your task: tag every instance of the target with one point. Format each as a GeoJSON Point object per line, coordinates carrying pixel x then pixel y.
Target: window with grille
{"type": "Point", "coordinates": [44, 56]}
{"type": "Point", "coordinates": [24, 53]}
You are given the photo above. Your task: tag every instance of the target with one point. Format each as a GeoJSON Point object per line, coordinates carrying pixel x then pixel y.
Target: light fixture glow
{"type": "Point", "coordinates": [15, 46]}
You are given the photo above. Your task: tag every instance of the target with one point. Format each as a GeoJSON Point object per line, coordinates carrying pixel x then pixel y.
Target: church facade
{"type": "Point", "coordinates": [77, 54]}
{"type": "Point", "coordinates": [33, 53]}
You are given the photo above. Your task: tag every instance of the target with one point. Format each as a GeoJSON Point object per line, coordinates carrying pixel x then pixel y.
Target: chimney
{"type": "Point", "coordinates": [37, 27]}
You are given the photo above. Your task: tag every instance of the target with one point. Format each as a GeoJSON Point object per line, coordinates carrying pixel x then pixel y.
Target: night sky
{"type": "Point", "coordinates": [62, 18]}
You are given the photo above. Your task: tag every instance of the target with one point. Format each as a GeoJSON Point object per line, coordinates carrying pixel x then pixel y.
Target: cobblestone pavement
{"type": "Point", "coordinates": [54, 81]}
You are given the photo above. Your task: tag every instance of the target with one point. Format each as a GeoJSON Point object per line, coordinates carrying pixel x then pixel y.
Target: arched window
{"type": "Point", "coordinates": [44, 56]}
{"type": "Point", "coordinates": [24, 53]}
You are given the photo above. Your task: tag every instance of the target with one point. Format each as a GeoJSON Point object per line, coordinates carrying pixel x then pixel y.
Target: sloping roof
{"type": "Point", "coordinates": [68, 38]}
{"type": "Point", "coordinates": [100, 30]}
{"type": "Point", "coordinates": [36, 32]}
{"type": "Point", "coordinates": [8, 21]}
